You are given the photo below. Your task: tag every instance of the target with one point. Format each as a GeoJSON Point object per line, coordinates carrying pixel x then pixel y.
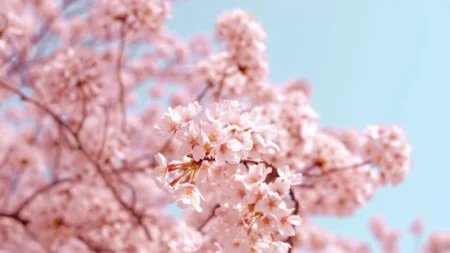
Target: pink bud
{"type": "Point", "coordinates": [417, 226]}
{"type": "Point", "coordinates": [156, 91]}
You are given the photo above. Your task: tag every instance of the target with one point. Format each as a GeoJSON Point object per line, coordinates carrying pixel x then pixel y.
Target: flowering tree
{"type": "Point", "coordinates": [89, 161]}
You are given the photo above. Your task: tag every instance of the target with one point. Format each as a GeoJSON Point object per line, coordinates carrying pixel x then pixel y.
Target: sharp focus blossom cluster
{"type": "Point", "coordinates": [90, 159]}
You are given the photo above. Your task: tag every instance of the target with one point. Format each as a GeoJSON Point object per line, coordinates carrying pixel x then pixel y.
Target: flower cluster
{"type": "Point", "coordinates": [73, 76]}
{"type": "Point", "coordinates": [330, 164]}
{"type": "Point", "coordinates": [224, 134]}
{"type": "Point", "coordinates": [255, 215]}
{"type": "Point", "coordinates": [224, 150]}
{"type": "Point", "coordinates": [297, 124]}
{"type": "Point", "coordinates": [438, 241]}
{"type": "Point", "coordinates": [241, 67]}
{"type": "Point", "coordinates": [139, 18]}
{"type": "Point", "coordinates": [12, 30]}
{"type": "Point", "coordinates": [387, 147]}
{"type": "Point", "coordinates": [245, 43]}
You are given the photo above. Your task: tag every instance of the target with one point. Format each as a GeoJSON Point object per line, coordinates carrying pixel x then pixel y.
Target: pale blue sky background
{"type": "Point", "coordinates": [368, 61]}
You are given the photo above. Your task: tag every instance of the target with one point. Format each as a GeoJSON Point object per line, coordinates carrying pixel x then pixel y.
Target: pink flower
{"type": "Point", "coordinates": [188, 195]}
{"type": "Point", "coordinates": [280, 186]}
{"type": "Point", "coordinates": [177, 118]}
{"type": "Point", "coordinates": [228, 151]}
{"type": "Point", "coordinates": [378, 227]}
{"type": "Point", "coordinates": [246, 139]}
{"type": "Point", "coordinates": [193, 143]}
{"type": "Point", "coordinates": [256, 173]}
{"type": "Point", "coordinates": [215, 113]}
{"type": "Point", "coordinates": [285, 173]}
{"type": "Point", "coordinates": [417, 226]}
{"type": "Point", "coordinates": [213, 133]}
{"type": "Point", "coordinates": [270, 204]}
{"type": "Point", "coordinates": [156, 91]}
{"type": "Point", "coordinates": [267, 223]}
{"type": "Point", "coordinates": [286, 224]}
{"type": "Point", "coordinates": [238, 192]}
{"type": "Point", "coordinates": [274, 246]}
{"type": "Point", "coordinates": [161, 171]}
{"type": "Point", "coordinates": [187, 114]}
{"type": "Point", "coordinates": [257, 192]}
{"type": "Point", "coordinates": [170, 123]}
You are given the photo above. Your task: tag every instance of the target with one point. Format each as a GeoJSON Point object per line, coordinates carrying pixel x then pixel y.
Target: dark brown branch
{"type": "Point", "coordinates": [296, 208]}
{"type": "Point", "coordinates": [15, 217]}
{"type": "Point", "coordinates": [212, 215]}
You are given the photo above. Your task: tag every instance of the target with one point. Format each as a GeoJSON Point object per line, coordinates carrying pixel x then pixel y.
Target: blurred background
{"type": "Point", "coordinates": [368, 62]}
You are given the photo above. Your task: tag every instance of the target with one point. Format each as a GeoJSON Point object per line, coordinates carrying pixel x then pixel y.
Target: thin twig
{"type": "Point", "coordinates": [105, 132]}
{"type": "Point", "coordinates": [203, 92]}
{"type": "Point", "coordinates": [5, 159]}
{"type": "Point", "coordinates": [205, 222]}
{"type": "Point", "coordinates": [92, 247]}
{"type": "Point", "coordinates": [83, 117]}
{"type": "Point", "coordinates": [40, 191]}
{"type": "Point", "coordinates": [119, 77]}
{"type": "Point", "coordinates": [15, 217]}
{"type": "Point", "coordinates": [290, 240]}
{"type": "Point", "coordinates": [336, 170]}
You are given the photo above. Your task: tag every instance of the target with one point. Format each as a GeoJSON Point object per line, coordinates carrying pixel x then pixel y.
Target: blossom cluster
{"type": "Point", "coordinates": [140, 18]}
{"type": "Point", "coordinates": [387, 147]}
{"type": "Point", "coordinates": [222, 149]}
{"type": "Point", "coordinates": [242, 67]}
{"type": "Point", "coordinates": [73, 74]}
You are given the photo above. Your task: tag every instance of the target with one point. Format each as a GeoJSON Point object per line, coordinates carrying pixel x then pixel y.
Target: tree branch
{"type": "Point", "coordinates": [40, 191]}
{"type": "Point", "coordinates": [212, 215]}
{"type": "Point", "coordinates": [97, 166]}
{"type": "Point", "coordinates": [119, 76]}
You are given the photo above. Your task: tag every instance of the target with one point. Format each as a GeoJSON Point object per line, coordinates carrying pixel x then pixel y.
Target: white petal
{"type": "Point", "coordinates": [283, 172]}
{"type": "Point", "coordinates": [295, 220]}
{"type": "Point", "coordinates": [220, 158]}
{"type": "Point", "coordinates": [198, 153]}
{"type": "Point", "coordinates": [296, 179]}
{"type": "Point", "coordinates": [184, 149]}
{"type": "Point", "coordinates": [161, 160]}
{"type": "Point", "coordinates": [234, 145]}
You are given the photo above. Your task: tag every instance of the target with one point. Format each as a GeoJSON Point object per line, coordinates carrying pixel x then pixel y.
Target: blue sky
{"type": "Point", "coordinates": [368, 62]}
